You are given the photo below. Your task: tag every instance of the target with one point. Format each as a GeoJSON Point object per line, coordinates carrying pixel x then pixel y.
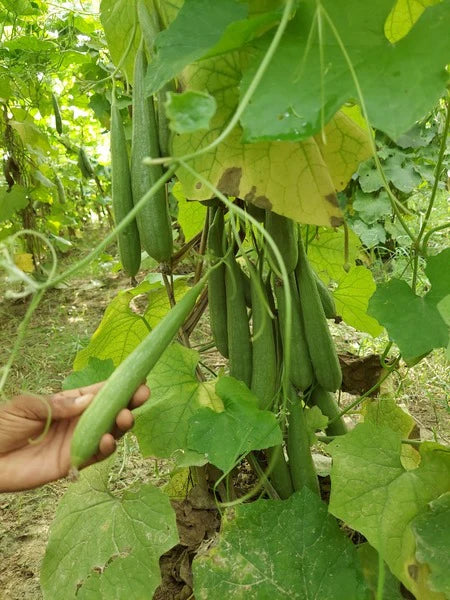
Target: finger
{"type": "Point", "coordinates": [124, 420]}
{"type": "Point", "coordinates": [140, 396]}
{"type": "Point", "coordinates": [77, 392]}
{"type": "Point", "coordinates": [107, 445]}
{"type": "Point", "coordinates": [66, 407]}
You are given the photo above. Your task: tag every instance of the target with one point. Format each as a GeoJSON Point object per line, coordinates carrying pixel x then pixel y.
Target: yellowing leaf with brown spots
{"type": "Point", "coordinates": [403, 16]}
{"type": "Point", "coordinates": [295, 179]}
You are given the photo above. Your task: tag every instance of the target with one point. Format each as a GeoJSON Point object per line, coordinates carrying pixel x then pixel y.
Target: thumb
{"type": "Point", "coordinates": [66, 407]}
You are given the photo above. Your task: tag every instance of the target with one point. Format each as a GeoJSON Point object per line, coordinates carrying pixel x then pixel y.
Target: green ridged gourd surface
{"type": "Point", "coordinates": [153, 219]}
{"type": "Point", "coordinates": [122, 196]}
{"type": "Point", "coordinates": [321, 347]}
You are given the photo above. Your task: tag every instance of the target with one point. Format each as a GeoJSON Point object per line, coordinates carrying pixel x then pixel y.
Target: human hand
{"type": "Point", "coordinates": [26, 463]}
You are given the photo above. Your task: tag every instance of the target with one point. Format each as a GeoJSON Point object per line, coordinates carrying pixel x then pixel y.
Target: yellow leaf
{"type": "Point", "coordinates": [352, 296]}
{"type": "Point", "coordinates": [403, 16]}
{"type": "Point", "coordinates": [24, 262]}
{"type": "Point", "coordinates": [347, 144]}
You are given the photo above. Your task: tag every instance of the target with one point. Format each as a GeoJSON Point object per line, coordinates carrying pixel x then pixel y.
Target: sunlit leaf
{"type": "Point", "coordinates": [162, 423]}
{"type": "Point", "coordinates": [403, 16]}
{"type": "Point", "coordinates": [132, 530]}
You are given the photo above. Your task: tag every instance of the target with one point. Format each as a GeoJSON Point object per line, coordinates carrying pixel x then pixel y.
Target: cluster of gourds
{"type": "Point", "coordinates": [131, 180]}
{"type": "Point", "coordinates": [248, 321]}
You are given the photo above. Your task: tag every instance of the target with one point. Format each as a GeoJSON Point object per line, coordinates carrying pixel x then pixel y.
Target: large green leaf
{"type": "Point", "coordinates": [326, 252]}
{"type": "Point", "coordinates": [274, 549]}
{"type": "Point", "coordinates": [118, 18]}
{"type": "Point", "coordinates": [384, 411]}
{"type": "Point", "coordinates": [177, 47]}
{"type": "Point", "coordinates": [21, 7]}
{"type": "Point", "coordinates": [226, 436]}
{"type": "Point", "coordinates": [162, 423]}
{"type": "Point", "coordinates": [374, 494]}
{"type": "Point", "coordinates": [95, 371]}
{"type": "Point", "coordinates": [309, 77]}
{"type": "Point", "coordinates": [432, 531]}
{"type": "Point", "coordinates": [118, 334]}
{"type": "Point", "coordinates": [102, 540]}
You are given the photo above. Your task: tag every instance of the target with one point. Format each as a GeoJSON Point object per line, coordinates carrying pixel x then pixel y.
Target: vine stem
{"type": "Point", "coordinates": [111, 236]}
{"type": "Point", "coordinates": [21, 331]}
{"type": "Point", "coordinates": [417, 246]}
{"type": "Point", "coordinates": [430, 233]}
{"type": "Point", "coordinates": [246, 97]}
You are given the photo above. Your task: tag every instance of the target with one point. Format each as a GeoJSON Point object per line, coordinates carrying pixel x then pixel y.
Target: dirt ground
{"type": "Point", "coordinates": [64, 323]}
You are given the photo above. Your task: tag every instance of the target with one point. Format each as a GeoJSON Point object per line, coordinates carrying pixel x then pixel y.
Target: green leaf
{"type": "Point", "coordinates": [369, 177]}
{"type": "Point", "coordinates": [118, 18]}
{"type": "Point", "coordinates": [384, 411]}
{"type": "Point", "coordinates": [369, 563]}
{"type": "Point", "coordinates": [399, 170]}
{"type": "Point", "coordinates": [309, 79]}
{"type": "Point", "coordinates": [5, 88]}
{"type": "Point", "coordinates": [122, 578]}
{"type": "Point", "coordinates": [438, 272]}
{"type": "Point", "coordinates": [191, 215]}
{"type": "Point", "coordinates": [98, 538]}
{"type": "Point", "coordinates": [162, 423]}
{"type": "Point", "coordinates": [190, 111]}
{"type": "Point", "coordinates": [352, 296]}
{"type": "Point", "coordinates": [95, 371]}
{"type": "Point", "coordinates": [12, 201]}
{"type": "Point", "coordinates": [326, 252]}
{"type": "Point", "coordinates": [226, 437]}
{"type": "Point", "coordinates": [374, 494]}
{"type": "Point", "coordinates": [21, 7]}
{"type": "Point", "coordinates": [412, 322]}
{"type": "Point", "coordinates": [370, 208]}
{"type": "Point", "coordinates": [315, 421]}
{"type": "Point", "coordinates": [158, 302]}
{"type": "Point", "coordinates": [370, 235]}
{"type": "Point", "coordinates": [177, 47]}
{"type": "Point", "coordinates": [32, 137]}
{"type": "Point", "coordinates": [432, 531]}
{"type": "Point", "coordinates": [280, 549]}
